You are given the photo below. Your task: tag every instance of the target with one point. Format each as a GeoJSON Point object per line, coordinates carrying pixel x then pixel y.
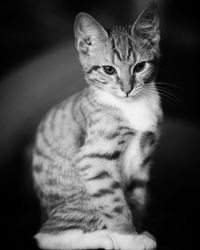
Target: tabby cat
{"type": "Point", "coordinates": [92, 159]}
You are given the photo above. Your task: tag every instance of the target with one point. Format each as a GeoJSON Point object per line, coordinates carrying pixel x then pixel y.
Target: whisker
{"type": "Point", "coordinates": [164, 97]}
{"type": "Point", "coordinates": [168, 84]}
{"type": "Point", "coordinates": [163, 90]}
{"type": "Point", "coordinates": [168, 92]}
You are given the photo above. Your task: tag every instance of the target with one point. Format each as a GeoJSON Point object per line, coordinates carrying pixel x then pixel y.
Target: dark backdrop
{"type": "Point", "coordinates": [38, 62]}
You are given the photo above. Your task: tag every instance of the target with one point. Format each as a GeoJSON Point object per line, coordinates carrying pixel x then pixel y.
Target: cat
{"type": "Point", "coordinates": [92, 154]}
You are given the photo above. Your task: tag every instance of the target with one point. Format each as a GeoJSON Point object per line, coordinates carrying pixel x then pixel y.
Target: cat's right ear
{"type": "Point", "coordinates": [88, 33]}
{"type": "Point", "coordinates": [147, 25]}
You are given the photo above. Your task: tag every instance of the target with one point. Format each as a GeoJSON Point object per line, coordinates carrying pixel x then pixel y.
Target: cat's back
{"type": "Point", "coordinates": [60, 123]}
{"type": "Point", "coordinates": [63, 113]}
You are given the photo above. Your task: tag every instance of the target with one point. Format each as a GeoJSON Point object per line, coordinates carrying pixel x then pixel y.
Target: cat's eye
{"type": "Point", "coordinates": [110, 70]}
{"type": "Point", "coordinates": [139, 67]}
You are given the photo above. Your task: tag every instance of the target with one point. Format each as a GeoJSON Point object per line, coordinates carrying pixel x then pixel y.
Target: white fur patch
{"type": "Point", "coordinates": [105, 239]}
{"type": "Point", "coordinates": [134, 242]}
{"type": "Point", "coordinates": [75, 239]}
{"type": "Point", "coordinates": [132, 159]}
{"type": "Point", "coordinates": [142, 112]}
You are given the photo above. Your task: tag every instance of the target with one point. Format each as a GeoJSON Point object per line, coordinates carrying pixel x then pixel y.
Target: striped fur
{"type": "Point", "coordinates": [92, 153]}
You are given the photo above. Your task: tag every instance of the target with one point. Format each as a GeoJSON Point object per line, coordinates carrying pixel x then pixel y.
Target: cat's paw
{"type": "Point", "coordinates": [145, 241]}
{"type": "Point", "coordinates": [76, 239]}
{"type": "Point", "coordinates": [134, 242]}
{"type": "Point", "coordinates": [98, 240]}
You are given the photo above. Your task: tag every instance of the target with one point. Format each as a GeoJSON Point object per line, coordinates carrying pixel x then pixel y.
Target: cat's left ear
{"type": "Point", "coordinates": [88, 33]}
{"type": "Point", "coordinates": [147, 25]}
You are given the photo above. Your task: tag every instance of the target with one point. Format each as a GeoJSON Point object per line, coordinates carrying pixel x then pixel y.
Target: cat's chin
{"type": "Point", "coordinates": [129, 97]}
{"type": "Point", "coordinates": [123, 97]}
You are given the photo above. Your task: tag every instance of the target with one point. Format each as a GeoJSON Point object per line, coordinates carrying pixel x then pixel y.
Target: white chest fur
{"type": "Point", "coordinates": [142, 112]}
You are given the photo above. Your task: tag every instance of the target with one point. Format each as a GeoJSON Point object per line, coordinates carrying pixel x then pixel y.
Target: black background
{"type": "Point", "coordinates": [30, 30]}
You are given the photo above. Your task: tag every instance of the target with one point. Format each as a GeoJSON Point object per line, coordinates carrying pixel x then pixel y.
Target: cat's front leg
{"type": "Point", "coordinates": [136, 167]}
{"type": "Point", "coordinates": [103, 182]}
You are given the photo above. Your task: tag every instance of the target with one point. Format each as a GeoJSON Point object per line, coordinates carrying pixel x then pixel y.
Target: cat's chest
{"type": "Point", "coordinates": [141, 114]}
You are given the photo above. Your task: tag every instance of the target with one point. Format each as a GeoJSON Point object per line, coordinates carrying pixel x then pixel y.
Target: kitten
{"type": "Point", "coordinates": [91, 148]}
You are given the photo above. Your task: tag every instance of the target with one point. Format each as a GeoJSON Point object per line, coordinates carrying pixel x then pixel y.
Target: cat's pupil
{"type": "Point", "coordinates": [139, 67]}
{"type": "Point", "coordinates": [110, 70]}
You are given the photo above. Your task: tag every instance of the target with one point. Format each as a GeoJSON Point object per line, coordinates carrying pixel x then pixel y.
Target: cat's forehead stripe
{"type": "Point", "coordinates": [122, 46]}
{"type": "Point", "coordinates": [116, 51]}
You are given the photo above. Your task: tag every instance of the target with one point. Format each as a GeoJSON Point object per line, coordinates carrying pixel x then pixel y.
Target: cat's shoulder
{"type": "Point", "coordinates": [62, 108]}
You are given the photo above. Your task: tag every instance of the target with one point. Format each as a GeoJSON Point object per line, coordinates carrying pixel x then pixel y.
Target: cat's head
{"type": "Point", "coordinates": [122, 60]}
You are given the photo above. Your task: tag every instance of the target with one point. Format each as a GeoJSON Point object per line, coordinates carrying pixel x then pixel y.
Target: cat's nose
{"type": "Point", "coordinates": [127, 89]}
{"type": "Point", "coordinates": [127, 92]}
{"type": "Point", "coordinates": [126, 85]}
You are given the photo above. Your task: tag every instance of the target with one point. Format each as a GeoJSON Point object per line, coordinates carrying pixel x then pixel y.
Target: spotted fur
{"type": "Point", "coordinates": [93, 151]}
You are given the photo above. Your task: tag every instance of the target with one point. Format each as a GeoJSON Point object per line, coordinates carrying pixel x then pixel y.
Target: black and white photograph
{"type": "Point", "coordinates": [99, 124]}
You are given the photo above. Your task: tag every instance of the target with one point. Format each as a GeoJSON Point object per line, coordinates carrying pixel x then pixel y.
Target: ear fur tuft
{"type": "Point", "coordinates": [147, 24]}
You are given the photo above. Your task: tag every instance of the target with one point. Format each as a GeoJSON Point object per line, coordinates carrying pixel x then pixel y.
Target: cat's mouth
{"type": "Point", "coordinates": [133, 94]}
